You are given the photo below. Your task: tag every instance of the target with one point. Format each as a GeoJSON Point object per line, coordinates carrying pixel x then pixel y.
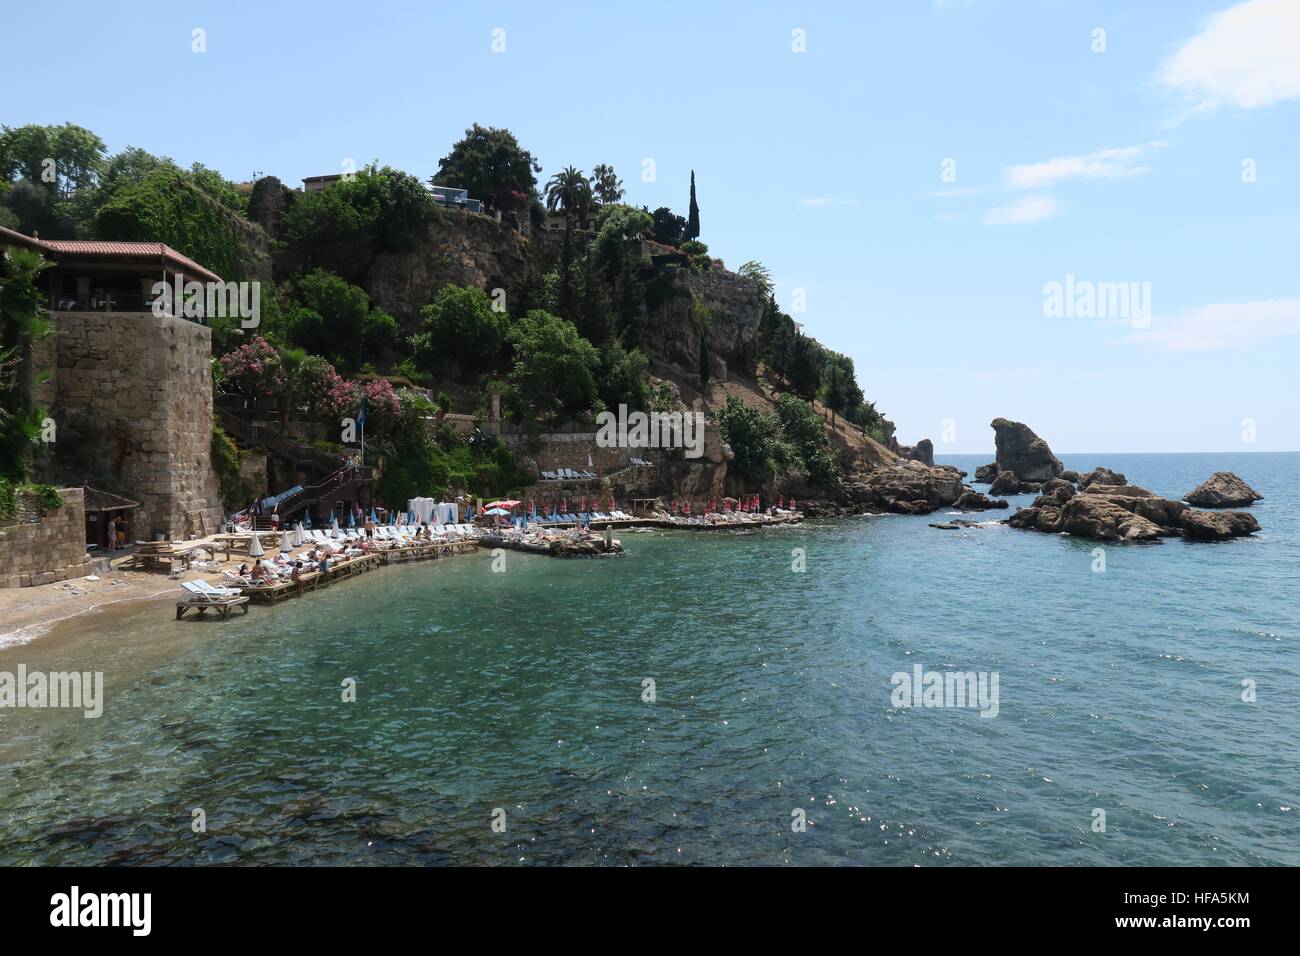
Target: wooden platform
{"type": "Point", "coordinates": [311, 580]}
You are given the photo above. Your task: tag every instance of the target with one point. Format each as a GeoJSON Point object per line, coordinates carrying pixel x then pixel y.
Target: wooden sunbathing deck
{"type": "Point", "coordinates": [271, 593]}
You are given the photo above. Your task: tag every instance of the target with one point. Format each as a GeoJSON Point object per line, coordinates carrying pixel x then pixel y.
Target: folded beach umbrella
{"type": "Point", "coordinates": [286, 545]}
{"type": "Point", "coordinates": [352, 520]}
{"type": "Point", "coordinates": [307, 519]}
{"type": "Point", "coordinates": [255, 549]}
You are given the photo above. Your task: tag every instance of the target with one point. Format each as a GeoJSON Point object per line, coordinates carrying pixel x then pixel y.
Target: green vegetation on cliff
{"type": "Point", "coordinates": [571, 333]}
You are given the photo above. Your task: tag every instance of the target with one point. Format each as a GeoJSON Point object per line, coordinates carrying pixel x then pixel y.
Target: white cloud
{"type": "Point", "coordinates": [1228, 325]}
{"type": "Point", "coordinates": [1102, 164]}
{"type": "Point", "coordinates": [1022, 211]}
{"type": "Point", "coordinates": [1246, 56]}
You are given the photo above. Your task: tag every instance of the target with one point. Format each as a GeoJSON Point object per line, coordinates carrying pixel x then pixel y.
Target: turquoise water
{"type": "Point", "coordinates": [523, 691]}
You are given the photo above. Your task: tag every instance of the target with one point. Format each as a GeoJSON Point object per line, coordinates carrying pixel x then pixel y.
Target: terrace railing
{"type": "Point", "coordinates": [250, 433]}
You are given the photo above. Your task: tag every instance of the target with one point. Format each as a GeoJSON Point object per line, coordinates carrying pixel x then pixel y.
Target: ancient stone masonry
{"type": "Point", "coordinates": [133, 392]}
{"type": "Point", "coordinates": [44, 547]}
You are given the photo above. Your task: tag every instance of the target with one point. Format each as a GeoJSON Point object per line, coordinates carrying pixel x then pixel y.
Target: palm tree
{"type": "Point", "coordinates": [569, 190]}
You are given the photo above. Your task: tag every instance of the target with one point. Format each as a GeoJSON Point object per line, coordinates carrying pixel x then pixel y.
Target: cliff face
{"type": "Point", "coordinates": [735, 308]}
{"type": "Point", "coordinates": [468, 249]}
{"type": "Point", "coordinates": [457, 248]}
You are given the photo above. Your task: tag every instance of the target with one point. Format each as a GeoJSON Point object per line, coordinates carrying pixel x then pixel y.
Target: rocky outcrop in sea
{"type": "Point", "coordinates": [1023, 453]}
{"type": "Point", "coordinates": [1223, 489]}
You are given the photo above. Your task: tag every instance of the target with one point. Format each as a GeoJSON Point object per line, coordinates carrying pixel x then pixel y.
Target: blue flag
{"type": "Point", "coordinates": [361, 415]}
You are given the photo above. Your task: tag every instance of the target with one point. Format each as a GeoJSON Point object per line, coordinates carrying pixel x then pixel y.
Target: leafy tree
{"type": "Point", "coordinates": [22, 325]}
{"type": "Point", "coordinates": [617, 250]}
{"type": "Point", "coordinates": [76, 153]}
{"type": "Point", "coordinates": [343, 227]}
{"type": "Point", "coordinates": [168, 207]}
{"type": "Point", "coordinates": [839, 389]}
{"type": "Point", "coordinates": [669, 228]}
{"type": "Point", "coordinates": [755, 439]}
{"type": "Point", "coordinates": [804, 429]}
{"type": "Point", "coordinates": [693, 217]}
{"type": "Point", "coordinates": [132, 165]}
{"type": "Point", "coordinates": [554, 371]}
{"type": "Point", "coordinates": [490, 163]}
{"type": "Point", "coordinates": [35, 209]}
{"type": "Point", "coordinates": [333, 317]}
{"type": "Point", "coordinates": [606, 184]}
{"type": "Point", "coordinates": [758, 272]}
{"type": "Point", "coordinates": [459, 327]}
{"type": "Point", "coordinates": [624, 378]}
{"type": "Point", "coordinates": [805, 367]}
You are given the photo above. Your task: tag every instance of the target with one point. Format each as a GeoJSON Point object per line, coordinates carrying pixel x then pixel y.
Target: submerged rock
{"type": "Point", "coordinates": [974, 501]}
{"type": "Point", "coordinates": [1223, 489]}
{"type": "Point", "coordinates": [1006, 483]}
{"type": "Point", "coordinates": [1023, 453]}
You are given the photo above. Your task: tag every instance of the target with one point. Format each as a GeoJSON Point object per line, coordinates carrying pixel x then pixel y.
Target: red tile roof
{"type": "Point", "coordinates": [98, 248]}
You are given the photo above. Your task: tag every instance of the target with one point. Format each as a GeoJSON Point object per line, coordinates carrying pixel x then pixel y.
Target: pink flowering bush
{"type": "Point", "coordinates": [254, 369]}
{"type": "Point", "coordinates": [382, 403]}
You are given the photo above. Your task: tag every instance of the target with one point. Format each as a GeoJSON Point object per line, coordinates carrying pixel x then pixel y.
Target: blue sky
{"type": "Point", "coordinates": [827, 165]}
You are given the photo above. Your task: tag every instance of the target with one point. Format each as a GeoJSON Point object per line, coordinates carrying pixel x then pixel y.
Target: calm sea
{"type": "Point", "coordinates": [522, 698]}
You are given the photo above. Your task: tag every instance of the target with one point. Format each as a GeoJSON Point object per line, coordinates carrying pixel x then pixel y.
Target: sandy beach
{"type": "Point", "coordinates": [28, 613]}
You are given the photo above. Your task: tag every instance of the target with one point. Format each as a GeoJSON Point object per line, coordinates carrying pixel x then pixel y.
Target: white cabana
{"type": "Point", "coordinates": [429, 511]}
{"type": "Point", "coordinates": [422, 508]}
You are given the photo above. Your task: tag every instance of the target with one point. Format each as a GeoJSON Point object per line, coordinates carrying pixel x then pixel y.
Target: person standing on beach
{"type": "Point", "coordinates": [370, 528]}
{"type": "Point", "coordinates": [112, 534]}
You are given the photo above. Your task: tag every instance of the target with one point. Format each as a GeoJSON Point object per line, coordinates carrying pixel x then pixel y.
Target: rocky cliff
{"type": "Point", "coordinates": [735, 307]}
{"type": "Point", "coordinates": [458, 248]}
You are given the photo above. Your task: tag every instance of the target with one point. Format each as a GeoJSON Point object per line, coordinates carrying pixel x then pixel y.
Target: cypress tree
{"type": "Point", "coordinates": [693, 219]}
